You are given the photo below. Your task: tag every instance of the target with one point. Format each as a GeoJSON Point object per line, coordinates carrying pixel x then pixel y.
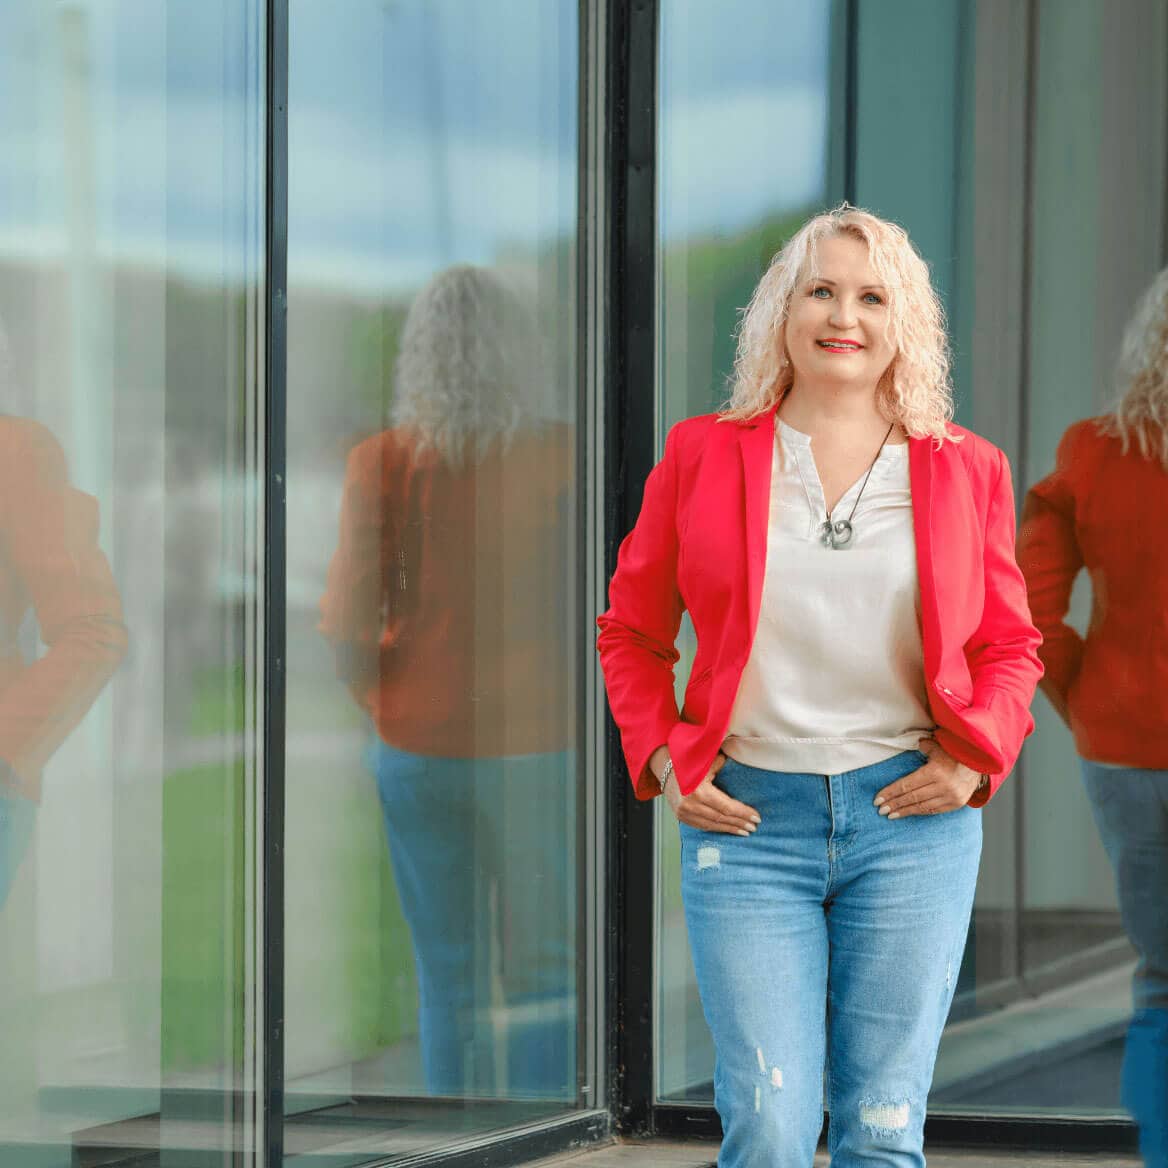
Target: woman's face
{"type": "Point", "coordinates": [836, 322]}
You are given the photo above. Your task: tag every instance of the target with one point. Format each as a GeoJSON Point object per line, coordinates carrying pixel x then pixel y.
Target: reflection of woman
{"type": "Point", "coordinates": [445, 604]}
{"type": "Point", "coordinates": [1105, 508]}
{"type": "Point", "coordinates": [51, 565]}
{"type": "Point", "coordinates": [864, 668]}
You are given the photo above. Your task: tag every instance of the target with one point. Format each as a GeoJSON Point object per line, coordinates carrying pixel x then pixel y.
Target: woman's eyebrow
{"type": "Point", "coordinates": [863, 287]}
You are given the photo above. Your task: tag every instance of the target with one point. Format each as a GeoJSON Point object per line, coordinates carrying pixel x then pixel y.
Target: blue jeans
{"type": "Point", "coordinates": [1131, 812]}
{"type": "Point", "coordinates": [17, 816]}
{"type": "Point", "coordinates": [483, 855]}
{"type": "Point", "coordinates": [831, 936]}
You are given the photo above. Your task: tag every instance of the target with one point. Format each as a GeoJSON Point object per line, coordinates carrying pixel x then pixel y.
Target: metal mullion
{"type": "Point", "coordinates": [851, 96]}
{"type": "Point", "coordinates": [274, 581]}
{"type": "Point", "coordinates": [630, 438]}
{"type": "Point", "coordinates": [1022, 467]}
{"type": "Point", "coordinates": [591, 332]}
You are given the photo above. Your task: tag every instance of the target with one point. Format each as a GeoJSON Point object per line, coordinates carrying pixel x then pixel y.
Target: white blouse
{"type": "Point", "coordinates": [835, 678]}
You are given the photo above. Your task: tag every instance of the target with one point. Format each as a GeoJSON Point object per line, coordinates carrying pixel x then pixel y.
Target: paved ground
{"type": "Point", "coordinates": [661, 1154]}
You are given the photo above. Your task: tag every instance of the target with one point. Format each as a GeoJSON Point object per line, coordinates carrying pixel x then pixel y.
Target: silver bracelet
{"type": "Point", "coordinates": [665, 773]}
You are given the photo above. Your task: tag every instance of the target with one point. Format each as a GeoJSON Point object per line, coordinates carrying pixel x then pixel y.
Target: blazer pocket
{"type": "Point", "coordinates": [956, 699]}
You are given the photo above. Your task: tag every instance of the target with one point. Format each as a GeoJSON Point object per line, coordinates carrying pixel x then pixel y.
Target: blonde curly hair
{"type": "Point", "coordinates": [1140, 416]}
{"type": "Point", "coordinates": [468, 374]}
{"type": "Point", "coordinates": [915, 391]}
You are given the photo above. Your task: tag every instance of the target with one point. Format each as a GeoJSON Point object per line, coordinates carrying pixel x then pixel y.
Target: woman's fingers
{"type": "Point", "coordinates": [711, 809]}
{"type": "Point", "coordinates": [926, 797]}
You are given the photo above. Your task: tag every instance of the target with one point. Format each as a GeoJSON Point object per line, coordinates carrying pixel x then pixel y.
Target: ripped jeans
{"type": "Point", "coordinates": [831, 938]}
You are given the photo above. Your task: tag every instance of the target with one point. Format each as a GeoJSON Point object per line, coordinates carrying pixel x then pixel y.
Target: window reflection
{"type": "Point", "coordinates": [128, 519]}
{"type": "Point", "coordinates": [446, 612]}
{"type": "Point", "coordinates": [53, 572]}
{"type": "Point", "coordinates": [1094, 513]}
{"type": "Point", "coordinates": [432, 791]}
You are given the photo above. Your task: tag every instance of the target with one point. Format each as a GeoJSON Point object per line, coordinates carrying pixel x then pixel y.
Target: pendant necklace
{"type": "Point", "coordinates": [838, 535]}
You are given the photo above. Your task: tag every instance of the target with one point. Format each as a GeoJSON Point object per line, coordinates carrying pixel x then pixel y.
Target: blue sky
{"type": "Point", "coordinates": [421, 131]}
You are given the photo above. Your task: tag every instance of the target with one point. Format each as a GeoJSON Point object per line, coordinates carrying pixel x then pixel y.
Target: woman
{"type": "Point", "coordinates": [1102, 509]}
{"type": "Point", "coordinates": [445, 607]}
{"type": "Point", "coordinates": [864, 671]}
{"type": "Point", "coordinates": [51, 568]}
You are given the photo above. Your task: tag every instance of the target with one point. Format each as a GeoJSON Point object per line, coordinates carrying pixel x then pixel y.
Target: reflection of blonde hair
{"type": "Point", "coordinates": [467, 373]}
{"type": "Point", "coordinates": [915, 390]}
{"type": "Point", "coordinates": [1141, 415]}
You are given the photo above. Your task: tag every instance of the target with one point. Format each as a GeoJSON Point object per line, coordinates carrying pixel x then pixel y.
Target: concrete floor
{"type": "Point", "coordinates": [665, 1154]}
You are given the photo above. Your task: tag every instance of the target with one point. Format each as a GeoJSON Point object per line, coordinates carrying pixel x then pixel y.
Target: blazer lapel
{"type": "Point", "coordinates": [757, 443]}
{"type": "Point", "coordinates": [921, 456]}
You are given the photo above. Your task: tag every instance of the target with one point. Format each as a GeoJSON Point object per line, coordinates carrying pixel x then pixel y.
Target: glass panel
{"type": "Point", "coordinates": [130, 212]}
{"type": "Point", "coordinates": [1032, 177]}
{"type": "Point", "coordinates": [1044, 992]}
{"type": "Point", "coordinates": [729, 107]}
{"type": "Point", "coordinates": [432, 625]}
{"type": "Point", "coordinates": [1096, 241]}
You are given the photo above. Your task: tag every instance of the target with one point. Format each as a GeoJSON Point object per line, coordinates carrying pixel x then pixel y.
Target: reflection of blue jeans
{"type": "Point", "coordinates": [16, 821]}
{"type": "Point", "coordinates": [831, 932]}
{"type": "Point", "coordinates": [1131, 812]}
{"type": "Point", "coordinates": [483, 854]}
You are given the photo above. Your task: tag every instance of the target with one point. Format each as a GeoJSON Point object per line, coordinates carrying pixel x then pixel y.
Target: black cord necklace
{"type": "Point", "coordinates": [838, 535]}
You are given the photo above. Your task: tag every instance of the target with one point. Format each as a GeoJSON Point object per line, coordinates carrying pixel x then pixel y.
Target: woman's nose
{"type": "Point", "coordinates": [843, 313]}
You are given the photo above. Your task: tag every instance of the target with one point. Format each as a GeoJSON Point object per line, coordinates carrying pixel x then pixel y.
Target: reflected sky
{"type": "Point", "coordinates": [421, 132]}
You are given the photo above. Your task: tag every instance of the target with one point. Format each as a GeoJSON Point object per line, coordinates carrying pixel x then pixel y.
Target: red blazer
{"type": "Point", "coordinates": [700, 544]}
{"type": "Point", "coordinates": [446, 595]}
{"type": "Point", "coordinates": [50, 562]}
{"type": "Point", "coordinates": [1103, 510]}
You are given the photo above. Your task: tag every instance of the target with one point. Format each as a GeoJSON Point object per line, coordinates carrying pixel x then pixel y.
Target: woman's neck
{"type": "Point", "coordinates": [843, 413]}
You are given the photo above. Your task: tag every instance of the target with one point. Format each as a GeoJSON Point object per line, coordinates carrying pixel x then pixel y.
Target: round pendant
{"type": "Point", "coordinates": [835, 535]}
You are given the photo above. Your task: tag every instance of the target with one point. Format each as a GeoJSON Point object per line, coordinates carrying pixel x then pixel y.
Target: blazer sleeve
{"type": "Point", "coordinates": [51, 550]}
{"type": "Point", "coordinates": [1003, 652]}
{"type": "Point", "coordinates": [638, 633]}
{"type": "Point", "coordinates": [1051, 558]}
{"type": "Point", "coordinates": [351, 608]}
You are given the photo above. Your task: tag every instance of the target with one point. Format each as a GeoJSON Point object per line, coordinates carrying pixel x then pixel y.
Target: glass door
{"type": "Point", "coordinates": [434, 793]}
{"type": "Point", "coordinates": [131, 196]}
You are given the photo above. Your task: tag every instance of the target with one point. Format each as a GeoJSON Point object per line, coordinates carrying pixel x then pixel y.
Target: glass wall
{"type": "Point", "coordinates": [130, 254]}
{"type": "Point", "coordinates": [432, 789]}
{"type": "Point", "coordinates": [1025, 153]}
{"type": "Point", "coordinates": [749, 137]}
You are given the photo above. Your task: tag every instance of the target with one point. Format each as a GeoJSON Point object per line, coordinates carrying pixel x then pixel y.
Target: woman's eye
{"type": "Point", "coordinates": [825, 291]}
{"type": "Point", "coordinates": [872, 298]}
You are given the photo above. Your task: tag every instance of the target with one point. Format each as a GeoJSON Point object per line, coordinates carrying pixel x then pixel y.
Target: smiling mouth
{"type": "Point", "coordinates": [840, 346]}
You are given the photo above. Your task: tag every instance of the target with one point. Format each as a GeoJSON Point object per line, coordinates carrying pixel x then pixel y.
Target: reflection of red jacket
{"type": "Point", "coordinates": [1105, 511]}
{"type": "Point", "coordinates": [700, 544]}
{"type": "Point", "coordinates": [50, 561]}
{"type": "Point", "coordinates": [448, 599]}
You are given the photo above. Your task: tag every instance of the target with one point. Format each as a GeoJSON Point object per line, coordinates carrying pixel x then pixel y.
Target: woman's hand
{"type": "Point", "coordinates": [942, 784]}
{"type": "Point", "coordinates": [710, 808]}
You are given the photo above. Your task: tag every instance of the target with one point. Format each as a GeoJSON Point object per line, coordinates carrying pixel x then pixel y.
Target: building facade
{"type": "Point", "coordinates": [317, 846]}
